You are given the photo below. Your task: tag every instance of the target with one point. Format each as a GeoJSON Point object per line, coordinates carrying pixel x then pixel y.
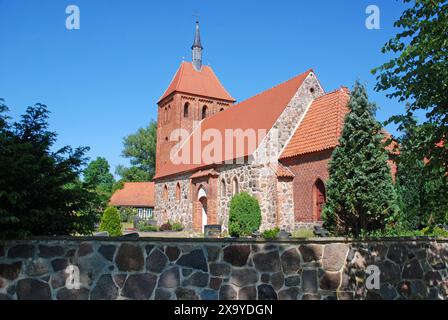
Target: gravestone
{"type": "Point", "coordinates": [212, 231]}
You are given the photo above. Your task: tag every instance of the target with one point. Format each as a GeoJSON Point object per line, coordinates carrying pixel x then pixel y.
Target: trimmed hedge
{"type": "Point", "coordinates": [148, 228]}
{"type": "Point", "coordinates": [110, 222]}
{"type": "Point", "coordinates": [271, 233]}
{"type": "Point", "coordinates": [245, 215]}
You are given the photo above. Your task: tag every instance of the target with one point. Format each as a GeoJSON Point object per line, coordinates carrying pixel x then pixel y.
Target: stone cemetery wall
{"type": "Point", "coordinates": [222, 269]}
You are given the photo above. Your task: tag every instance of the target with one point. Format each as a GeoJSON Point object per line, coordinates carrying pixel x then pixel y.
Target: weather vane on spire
{"type": "Point", "coordinates": [197, 50]}
{"type": "Point", "coordinates": [196, 17]}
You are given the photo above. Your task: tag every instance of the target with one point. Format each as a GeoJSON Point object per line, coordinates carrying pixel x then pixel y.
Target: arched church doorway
{"type": "Point", "coordinates": [202, 197]}
{"type": "Point", "coordinates": [319, 198]}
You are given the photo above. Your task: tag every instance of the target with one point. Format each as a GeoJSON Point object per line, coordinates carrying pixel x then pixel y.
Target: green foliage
{"type": "Point", "coordinates": [270, 233]}
{"type": "Point", "coordinates": [302, 233]}
{"type": "Point", "coordinates": [99, 181]}
{"type": "Point", "coordinates": [439, 232]}
{"type": "Point", "coordinates": [360, 192]}
{"type": "Point", "coordinates": [140, 148]}
{"type": "Point", "coordinates": [177, 226]}
{"type": "Point", "coordinates": [418, 72]}
{"type": "Point", "coordinates": [110, 222]}
{"type": "Point", "coordinates": [97, 175]}
{"type": "Point", "coordinates": [127, 214]}
{"type": "Point", "coordinates": [436, 231]}
{"type": "Point", "coordinates": [245, 215]}
{"type": "Point", "coordinates": [166, 227]}
{"type": "Point", "coordinates": [147, 227]}
{"type": "Point", "coordinates": [40, 190]}
{"type": "Point", "coordinates": [420, 187]}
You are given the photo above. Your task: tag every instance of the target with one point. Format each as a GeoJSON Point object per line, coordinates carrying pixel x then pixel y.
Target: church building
{"type": "Point", "coordinates": [275, 145]}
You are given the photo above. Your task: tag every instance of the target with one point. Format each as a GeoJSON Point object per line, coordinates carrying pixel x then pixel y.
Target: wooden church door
{"type": "Point", "coordinates": [319, 198]}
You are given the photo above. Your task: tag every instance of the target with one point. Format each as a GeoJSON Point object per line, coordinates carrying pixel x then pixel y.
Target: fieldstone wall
{"type": "Point", "coordinates": [171, 208]}
{"type": "Point", "coordinates": [285, 194]}
{"type": "Point", "coordinates": [258, 180]}
{"type": "Point", "coordinates": [223, 269]}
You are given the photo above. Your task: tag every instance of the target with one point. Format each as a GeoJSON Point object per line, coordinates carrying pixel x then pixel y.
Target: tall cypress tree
{"type": "Point", "coordinates": [360, 192]}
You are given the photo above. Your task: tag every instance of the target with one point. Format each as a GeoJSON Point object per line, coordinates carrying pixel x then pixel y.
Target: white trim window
{"type": "Point", "coordinates": [145, 213]}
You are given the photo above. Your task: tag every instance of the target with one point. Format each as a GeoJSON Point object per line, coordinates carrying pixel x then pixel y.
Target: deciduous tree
{"type": "Point", "coordinates": [418, 73]}
{"type": "Point", "coordinates": [140, 148]}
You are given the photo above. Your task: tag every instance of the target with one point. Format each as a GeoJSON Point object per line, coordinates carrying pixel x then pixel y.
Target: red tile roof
{"type": "Point", "coordinates": [258, 112]}
{"type": "Point", "coordinates": [321, 126]}
{"type": "Point", "coordinates": [203, 83]}
{"type": "Point", "coordinates": [204, 173]}
{"type": "Point", "coordinates": [282, 172]}
{"type": "Point", "coordinates": [134, 194]}
{"type": "Point", "coordinates": [393, 146]}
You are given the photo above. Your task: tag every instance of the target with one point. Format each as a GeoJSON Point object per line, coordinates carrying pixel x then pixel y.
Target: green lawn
{"type": "Point", "coordinates": [125, 225]}
{"type": "Point", "coordinates": [302, 233]}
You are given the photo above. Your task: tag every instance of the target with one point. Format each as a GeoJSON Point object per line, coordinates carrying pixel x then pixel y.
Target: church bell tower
{"type": "Point", "coordinates": [194, 94]}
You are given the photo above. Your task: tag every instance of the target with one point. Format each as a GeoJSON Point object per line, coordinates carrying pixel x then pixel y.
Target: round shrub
{"type": "Point", "coordinates": [110, 222]}
{"type": "Point", "coordinates": [245, 215]}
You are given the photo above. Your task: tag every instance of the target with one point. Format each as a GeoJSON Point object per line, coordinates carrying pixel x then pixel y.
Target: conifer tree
{"type": "Point", "coordinates": [360, 192]}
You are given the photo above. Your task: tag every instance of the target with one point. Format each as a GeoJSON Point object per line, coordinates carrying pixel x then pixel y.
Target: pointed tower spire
{"type": "Point", "coordinates": [197, 49]}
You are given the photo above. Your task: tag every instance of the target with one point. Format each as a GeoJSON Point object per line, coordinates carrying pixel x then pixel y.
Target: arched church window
{"type": "Point", "coordinates": [236, 188]}
{"type": "Point", "coordinates": [319, 198]}
{"type": "Point", "coordinates": [186, 107]}
{"type": "Point", "coordinates": [178, 192]}
{"type": "Point", "coordinates": [223, 188]}
{"type": "Point", "coordinates": [165, 193]}
{"type": "Point", "coordinates": [204, 112]}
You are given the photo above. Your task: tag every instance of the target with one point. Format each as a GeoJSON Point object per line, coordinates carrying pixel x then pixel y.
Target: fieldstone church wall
{"type": "Point", "coordinates": [173, 208]}
{"type": "Point", "coordinates": [223, 269]}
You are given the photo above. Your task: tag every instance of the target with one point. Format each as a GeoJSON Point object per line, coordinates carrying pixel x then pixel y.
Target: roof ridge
{"type": "Point", "coordinates": [325, 105]}
{"type": "Point", "coordinates": [165, 95]}
{"type": "Point", "coordinates": [182, 65]}
{"type": "Point", "coordinates": [342, 89]}
{"type": "Point", "coordinates": [278, 85]}
{"type": "Point", "coordinates": [260, 93]}
{"type": "Point", "coordinates": [219, 82]}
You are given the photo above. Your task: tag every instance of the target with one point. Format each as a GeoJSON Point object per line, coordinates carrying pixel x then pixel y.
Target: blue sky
{"type": "Point", "coordinates": [102, 82]}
